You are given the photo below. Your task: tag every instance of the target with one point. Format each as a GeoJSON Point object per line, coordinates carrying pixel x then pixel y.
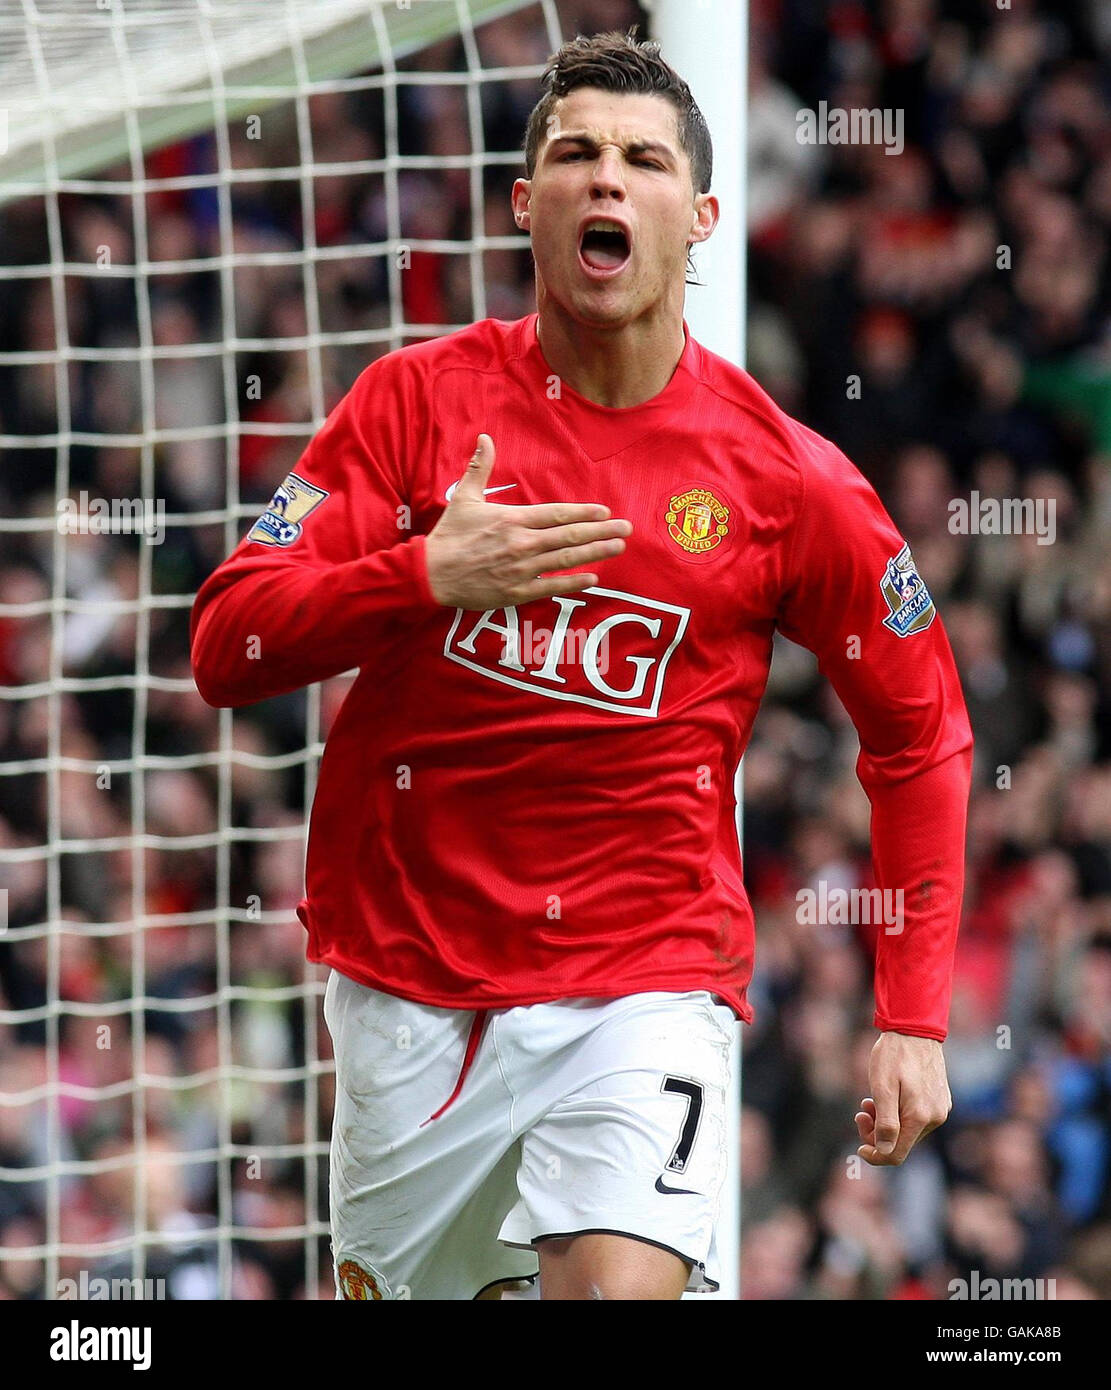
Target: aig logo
{"type": "Point", "coordinates": [619, 663]}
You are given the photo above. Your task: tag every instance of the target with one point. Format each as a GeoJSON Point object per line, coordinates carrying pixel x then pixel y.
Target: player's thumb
{"type": "Point", "coordinates": [479, 468]}
{"type": "Point", "coordinates": [887, 1122]}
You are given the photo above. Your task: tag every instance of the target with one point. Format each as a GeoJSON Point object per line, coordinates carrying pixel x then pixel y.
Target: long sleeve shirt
{"type": "Point", "coordinates": [537, 802]}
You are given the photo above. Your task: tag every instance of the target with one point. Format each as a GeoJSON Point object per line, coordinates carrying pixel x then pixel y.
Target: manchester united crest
{"type": "Point", "coordinates": [357, 1283]}
{"type": "Point", "coordinates": [697, 521]}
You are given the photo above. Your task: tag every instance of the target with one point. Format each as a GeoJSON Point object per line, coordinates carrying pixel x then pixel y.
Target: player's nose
{"type": "Point", "coordinates": [607, 178]}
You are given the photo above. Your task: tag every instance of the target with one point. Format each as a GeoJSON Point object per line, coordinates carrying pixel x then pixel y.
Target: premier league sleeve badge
{"type": "Point", "coordinates": [911, 609]}
{"type": "Point", "coordinates": [283, 520]}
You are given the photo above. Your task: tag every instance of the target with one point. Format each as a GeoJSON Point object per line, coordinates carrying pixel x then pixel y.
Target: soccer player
{"type": "Point", "coordinates": [523, 868]}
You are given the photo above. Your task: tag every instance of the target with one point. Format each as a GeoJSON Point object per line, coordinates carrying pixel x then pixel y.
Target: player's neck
{"type": "Point", "coordinates": [618, 368]}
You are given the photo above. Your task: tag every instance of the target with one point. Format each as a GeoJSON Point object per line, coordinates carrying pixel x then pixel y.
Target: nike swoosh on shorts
{"type": "Point", "coordinates": [674, 1191]}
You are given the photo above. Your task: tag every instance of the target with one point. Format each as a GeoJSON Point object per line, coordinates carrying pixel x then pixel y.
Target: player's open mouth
{"type": "Point", "coordinates": [603, 249]}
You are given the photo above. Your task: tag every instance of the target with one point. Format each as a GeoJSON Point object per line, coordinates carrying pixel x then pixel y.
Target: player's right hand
{"type": "Point", "coordinates": [484, 554]}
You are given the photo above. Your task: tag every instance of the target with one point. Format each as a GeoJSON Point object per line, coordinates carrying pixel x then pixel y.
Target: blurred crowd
{"type": "Point", "coordinates": [942, 315]}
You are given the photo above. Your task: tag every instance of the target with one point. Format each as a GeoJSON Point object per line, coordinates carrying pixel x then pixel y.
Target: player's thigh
{"type": "Point", "coordinates": [634, 1149]}
{"type": "Point", "coordinates": [602, 1266]}
{"type": "Point", "coordinates": [402, 1185]}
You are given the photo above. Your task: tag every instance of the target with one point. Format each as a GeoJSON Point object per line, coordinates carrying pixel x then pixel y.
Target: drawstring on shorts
{"type": "Point", "coordinates": [468, 1057]}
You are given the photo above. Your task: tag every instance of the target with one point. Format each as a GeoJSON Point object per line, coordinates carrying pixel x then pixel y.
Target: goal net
{"type": "Point", "coordinates": [212, 216]}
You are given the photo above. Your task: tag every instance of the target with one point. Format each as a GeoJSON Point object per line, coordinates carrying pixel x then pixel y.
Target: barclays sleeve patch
{"type": "Point", "coordinates": [283, 520]}
{"type": "Point", "coordinates": [911, 609]}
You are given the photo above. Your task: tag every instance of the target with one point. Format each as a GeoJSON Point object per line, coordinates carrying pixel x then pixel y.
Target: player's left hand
{"type": "Point", "coordinates": [910, 1097]}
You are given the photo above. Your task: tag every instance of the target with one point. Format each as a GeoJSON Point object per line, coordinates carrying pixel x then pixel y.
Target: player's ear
{"type": "Point", "coordinates": [705, 217]}
{"type": "Point", "coordinates": [522, 193]}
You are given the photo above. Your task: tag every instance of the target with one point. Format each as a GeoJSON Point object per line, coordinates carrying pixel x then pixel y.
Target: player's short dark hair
{"type": "Point", "coordinates": [617, 62]}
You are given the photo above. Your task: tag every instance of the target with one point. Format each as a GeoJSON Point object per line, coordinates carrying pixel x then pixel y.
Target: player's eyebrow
{"type": "Point", "coordinates": [649, 147]}
{"type": "Point", "coordinates": [634, 147]}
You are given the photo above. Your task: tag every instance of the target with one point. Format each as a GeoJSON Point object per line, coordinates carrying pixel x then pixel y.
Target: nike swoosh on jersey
{"type": "Point", "coordinates": [674, 1191]}
{"type": "Point", "coordinates": [486, 491]}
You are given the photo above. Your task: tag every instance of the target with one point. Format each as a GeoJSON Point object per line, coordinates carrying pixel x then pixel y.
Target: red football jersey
{"type": "Point", "coordinates": [537, 802]}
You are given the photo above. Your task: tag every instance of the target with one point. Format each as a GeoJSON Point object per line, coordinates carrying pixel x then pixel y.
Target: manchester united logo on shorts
{"type": "Point", "coordinates": [358, 1283]}
{"type": "Point", "coordinates": [697, 521]}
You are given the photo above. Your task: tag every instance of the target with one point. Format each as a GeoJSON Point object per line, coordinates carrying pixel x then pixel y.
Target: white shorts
{"type": "Point", "coordinates": [460, 1140]}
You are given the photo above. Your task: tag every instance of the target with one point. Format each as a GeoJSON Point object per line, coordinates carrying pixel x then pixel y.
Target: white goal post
{"type": "Point", "coordinates": [88, 89]}
{"type": "Point", "coordinates": [706, 42]}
